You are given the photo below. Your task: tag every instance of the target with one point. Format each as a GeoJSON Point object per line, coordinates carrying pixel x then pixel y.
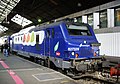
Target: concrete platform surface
{"type": "Point", "coordinates": [16, 70]}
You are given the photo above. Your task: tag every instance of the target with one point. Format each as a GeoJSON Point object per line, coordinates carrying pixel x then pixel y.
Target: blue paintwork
{"type": "Point", "coordinates": [65, 40]}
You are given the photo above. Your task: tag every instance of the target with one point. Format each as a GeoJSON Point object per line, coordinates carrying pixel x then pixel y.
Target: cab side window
{"type": "Point", "coordinates": [37, 39]}
{"type": "Point", "coordinates": [37, 42]}
{"type": "Point", "coordinates": [53, 33]}
{"type": "Point", "coordinates": [48, 34]}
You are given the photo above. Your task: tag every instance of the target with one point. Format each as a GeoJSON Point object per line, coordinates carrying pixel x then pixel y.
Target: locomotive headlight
{"type": "Point", "coordinates": [97, 52]}
{"type": "Point", "coordinates": [73, 53]}
{"type": "Point", "coordinates": [76, 55]}
{"type": "Point", "coordinates": [85, 42]}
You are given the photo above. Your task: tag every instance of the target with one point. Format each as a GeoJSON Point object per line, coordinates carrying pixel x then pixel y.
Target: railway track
{"type": "Point", "coordinates": [91, 77]}
{"type": "Point", "coordinates": [95, 78]}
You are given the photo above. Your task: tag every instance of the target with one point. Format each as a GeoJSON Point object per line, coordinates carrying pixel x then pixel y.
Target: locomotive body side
{"type": "Point", "coordinates": [68, 46]}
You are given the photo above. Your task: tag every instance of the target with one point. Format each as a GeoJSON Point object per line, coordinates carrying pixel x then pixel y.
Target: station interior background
{"type": "Point", "coordinates": [105, 20]}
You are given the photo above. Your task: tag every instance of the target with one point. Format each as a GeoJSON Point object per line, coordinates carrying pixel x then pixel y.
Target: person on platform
{"type": "Point", "coordinates": [6, 48]}
{"type": "Point", "coordinates": [2, 48]}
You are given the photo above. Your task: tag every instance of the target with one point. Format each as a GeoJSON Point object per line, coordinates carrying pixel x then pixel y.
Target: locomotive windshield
{"type": "Point", "coordinates": [78, 30]}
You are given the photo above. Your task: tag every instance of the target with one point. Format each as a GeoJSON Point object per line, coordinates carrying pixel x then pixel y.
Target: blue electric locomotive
{"type": "Point", "coordinates": [66, 45]}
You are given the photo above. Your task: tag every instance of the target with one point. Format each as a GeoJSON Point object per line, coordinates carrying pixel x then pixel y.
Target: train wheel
{"type": "Point", "coordinates": [35, 59]}
{"type": "Point", "coordinates": [52, 65]}
{"type": "Point", "coordinates": [42, 62]}
{"type": "Point", "coordinates": [46, 62]}
{"type": "Point", "coordinates": [60, 70]}
{"type": "Point", "coordinates": [31, 58]}
{"type": "Point", "coordinates": [65, 71]}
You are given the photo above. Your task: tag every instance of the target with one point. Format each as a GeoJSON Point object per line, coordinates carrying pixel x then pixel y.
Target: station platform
{"type": "Point", "coordinates": [16, 70]}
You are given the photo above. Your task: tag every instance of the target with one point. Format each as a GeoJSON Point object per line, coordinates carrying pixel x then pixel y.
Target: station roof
{"type": "Point", "coordinates": [18, 14]}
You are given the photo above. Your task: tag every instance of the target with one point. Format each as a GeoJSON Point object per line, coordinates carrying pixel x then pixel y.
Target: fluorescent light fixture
{"type": "Point", "coordinates": [39, 20]}
{"type": "Point", "coordinates": [2, 28]}
{"type": "Point", "coordinates": [21, 20]}
{"type": "Point", "coordinates": [1, 6]}
{"type": "Point", "coordinates": [5, 7]}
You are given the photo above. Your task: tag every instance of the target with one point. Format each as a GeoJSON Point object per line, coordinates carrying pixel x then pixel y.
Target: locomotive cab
{"type": "Point", "coordinates": [82, 47]}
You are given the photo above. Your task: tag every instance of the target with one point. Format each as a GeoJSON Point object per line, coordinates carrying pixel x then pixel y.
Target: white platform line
{"type": "Point", "coordinates": [35, 77]}
{"type": "Point", "coordinates": [3, 71]}
{"type": "Point", "coordinates": [26, 69]}
{"type": "Point", "coordinates": [64, 75]}
{"type": "Point", "coordinates": [22, 69]}
{"type": "Point", "coordinates": [53, 73]}
{"type": "Point", "coordinates": [45, 68]}
{"type": "Point", "coordinates": [46, 73]}
{"type": "Point", "coordinates": [48, 79]}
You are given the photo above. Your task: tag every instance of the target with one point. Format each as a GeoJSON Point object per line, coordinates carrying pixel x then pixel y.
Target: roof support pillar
{"type": "Point", "coordinates": [96, 21]}
{"type": "Point", "coordinates": [84, 19]}
{"type": "Point", "coordinates": [110, 17]}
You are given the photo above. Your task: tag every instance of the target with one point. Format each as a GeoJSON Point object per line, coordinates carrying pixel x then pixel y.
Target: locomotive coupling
{"type": "Point", "coordinates": [82, 67]}
{"type": "Point", "coordinates": [85, 65]}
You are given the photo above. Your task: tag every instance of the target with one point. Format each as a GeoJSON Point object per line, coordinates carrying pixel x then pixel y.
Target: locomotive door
{"type": "Point", "coordinates": [47, 43]}
{"type": "Point", "coordinates": [37, 43]}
